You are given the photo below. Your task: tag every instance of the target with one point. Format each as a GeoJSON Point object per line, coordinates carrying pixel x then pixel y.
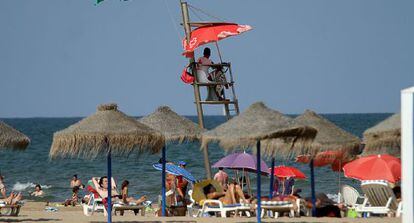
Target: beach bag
{"type": "Point", "coordinates": [186, 76]}
{"type": "Point", "coordinates": [351, 213]}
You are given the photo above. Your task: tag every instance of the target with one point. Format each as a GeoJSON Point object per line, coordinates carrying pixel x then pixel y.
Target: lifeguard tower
{"type": "Point", "coordinates": [200, 33]}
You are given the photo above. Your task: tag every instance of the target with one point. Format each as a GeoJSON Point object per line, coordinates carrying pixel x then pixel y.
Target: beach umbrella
{"type": "Point", "coordinates": [385, 137]}
{"type": "Point", "coordinates": [107, 132]}
{"type": "Point", "coordinates": [288, 171]}
{"type": "Point", "coordinates": [257, 126]}
{"type": "Point", "coordinates": [211, 32]}
{"type": "Point", "coordinates": [198, 190]}
{"type": "Point", "coordinates": [375, 167]}
{"type": "Point", "coordinates": [175, 170]}
{"type": "Point", "coordinates": [11, 138]}
{"type": "Point", "coordinates": [241, 161]}
{"type": "Point", "coordinates": [336, 159]}
{"type": "Point", "coordinates": [176, 129]}
{"type": "Point", "coordinates": [329, 137]}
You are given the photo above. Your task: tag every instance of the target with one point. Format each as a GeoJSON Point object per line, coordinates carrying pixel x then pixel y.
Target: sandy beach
{"type": "Point", "coordinates": [34, 212]}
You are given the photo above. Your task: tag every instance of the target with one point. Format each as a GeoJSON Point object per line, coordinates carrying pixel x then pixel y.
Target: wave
{"type": "Point", "coordinates": [23, 186]}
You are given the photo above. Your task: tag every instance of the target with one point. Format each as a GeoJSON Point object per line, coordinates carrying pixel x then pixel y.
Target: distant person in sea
{"type": "Point", "coordinates": [38, 191]}
{"type": "Point", "coordinates": [129, 200]}
{"type": "Point", "coordinates": [76, 182]}
{"type": "Point", "coordinates": [222, 177]}
{"type": "Point", "coordinates": [74, 200]}
{"type": "Point", "coordinates": [2, 188]}
{"type": "Point", "coordinates": [182, 184]}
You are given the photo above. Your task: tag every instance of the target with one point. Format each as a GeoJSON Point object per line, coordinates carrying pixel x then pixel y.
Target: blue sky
{"type": "Point", "coordinates": [62, 58]}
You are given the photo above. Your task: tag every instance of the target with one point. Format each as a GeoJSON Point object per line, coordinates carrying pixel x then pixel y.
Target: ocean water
{"type": "Point", "coordinates": [24, 169]}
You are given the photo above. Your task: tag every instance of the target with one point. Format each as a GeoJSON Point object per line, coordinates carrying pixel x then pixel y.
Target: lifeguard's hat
{"type": "Point", "coordinates": [182, 163]}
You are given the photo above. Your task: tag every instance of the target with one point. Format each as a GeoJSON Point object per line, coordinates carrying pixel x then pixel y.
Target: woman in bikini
{"type": "Point", "coordinates": [233, 195]}
{"type": "Point", "coordinates": [127, 199]}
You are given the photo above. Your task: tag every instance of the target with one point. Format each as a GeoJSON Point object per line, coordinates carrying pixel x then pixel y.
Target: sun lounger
{"type": "Point", "coordinates": [351, 196]}
{"type": "Point", "coordinates": [217, 207]}
{"type": "Point", "coordinates": [130, 207]}
{"type": "Point", "coordinates": [380, 199]}
{"type": "Point", "coordinates": [9, 210]}
{"type": "Point", "coordinates": [275, 207]}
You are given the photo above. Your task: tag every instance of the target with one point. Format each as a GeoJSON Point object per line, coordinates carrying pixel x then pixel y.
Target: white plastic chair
{"type": "Point", "coordinates": [350, 196]}
{"type": "Point", "coordinates": [217, 206]}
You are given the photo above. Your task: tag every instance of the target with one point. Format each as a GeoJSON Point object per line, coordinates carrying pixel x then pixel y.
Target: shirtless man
{"type": "Point", "coordinates": [222, 177]}
{"type": "Point", "coordinates": [2, 188]}
{"type": "Point", "coordinates": [102, 189]}
{"type": "Point", "coordinates": [75, 182]}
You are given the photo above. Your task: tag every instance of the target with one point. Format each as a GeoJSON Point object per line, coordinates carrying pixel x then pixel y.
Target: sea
{"type": "Point", "coordinates": [26, 168]}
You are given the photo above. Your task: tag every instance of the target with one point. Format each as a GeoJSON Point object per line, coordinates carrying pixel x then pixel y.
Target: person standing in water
{"type": "Point", "coordinates": [222, 177]}
{"type": "Point", "coordinates": [76, 182]}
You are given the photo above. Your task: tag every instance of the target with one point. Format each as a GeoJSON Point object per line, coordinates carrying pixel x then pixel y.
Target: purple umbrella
{"type": "Point", "coordinates": [241, 161]}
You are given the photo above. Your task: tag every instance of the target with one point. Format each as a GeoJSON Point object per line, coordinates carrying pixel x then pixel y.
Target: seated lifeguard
{"type": "Point", "coordinates": [203, 64]}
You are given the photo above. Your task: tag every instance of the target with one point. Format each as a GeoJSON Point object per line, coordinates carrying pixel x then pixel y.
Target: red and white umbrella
{"type": "Point", "coordinates": [212, 33]}
{"type": "Point", "coordinates": [374, 167]}
{"type": "Point", "coordinates": [335, 158]}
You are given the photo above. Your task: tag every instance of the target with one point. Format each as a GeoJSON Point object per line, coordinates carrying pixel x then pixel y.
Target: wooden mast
{"type": "Point", "coordinates": [187, 29]}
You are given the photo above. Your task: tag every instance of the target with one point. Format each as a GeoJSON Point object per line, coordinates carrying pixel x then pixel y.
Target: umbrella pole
{"type": "Point", "coordinates": [219, 53]}
{"type": "Point", "coordinates": [109, 187]}
{"type": "Point", "coordinates": [258, 168]}
{"type": "Point", "coordinates": [272, 178]}
{"type": "Point", "coordinates": [313, 188]}
{"type": "Point", "coordinates": [163, 191]}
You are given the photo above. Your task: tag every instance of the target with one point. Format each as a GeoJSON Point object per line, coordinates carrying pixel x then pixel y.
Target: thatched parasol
{"type": "Point", "coordinates": [257, 125]}
{"type": "Point", "coordinates": [107, 129]}
{"type": "Point", "coordinates": [11, 138]}
{"type": "Point", "coordinates": [330, 136]}
{"type": "Point", "coordinates": [385, 137]}
{"type": "Point", "coordinates": [106, 132]}
{"type": "Point", "coordinates": [259, 122]}
{"type": "Point", "coordinates": [174, 127]}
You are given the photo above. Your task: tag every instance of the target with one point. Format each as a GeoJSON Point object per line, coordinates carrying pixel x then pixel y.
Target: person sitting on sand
{"type": "Point", "coordinates": [325, 207]}
{"type": "Point", "coordinates": [13, 198]}
{"type": "Point", "coordinates": [38, 191]}
{"type": "Point", "coordinates": [74, 200]}
{"type": "Point", "coordinates": [129, 200]}
{"type": "Point", "coordinates": [233, 195]}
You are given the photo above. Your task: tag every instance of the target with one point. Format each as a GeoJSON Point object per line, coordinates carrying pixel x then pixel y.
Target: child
{"type": "Point", "coordinates": [74, 199]}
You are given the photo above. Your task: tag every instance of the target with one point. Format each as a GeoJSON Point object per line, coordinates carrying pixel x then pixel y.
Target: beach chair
{"type": "Point", "coordinates": [274, 208]}
{"type": "Point", "coordinates": [9, 210]}
{"type": "Point", "coordinates": [380, 199]}
{"type": "Point", "coordinates": [193, 208]}
{"type": "Point", "coordinates": [351, 196]}
{"type": "Point", "coordinates": [217, 207]}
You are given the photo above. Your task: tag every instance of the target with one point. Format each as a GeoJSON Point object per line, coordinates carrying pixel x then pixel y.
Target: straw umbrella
{"type": "Point", "coordinates": [175, 128]}
{"type": "Point", "coordinates": [258, 123]}
{"type": "Point", "coordinates": [11, 138]}
{"type": "Point", "coordinates": [107, 132]}
{"type": "Point", "coordinates": [329, 137]}
{"type": "Point", "coordinates": [385, 137]}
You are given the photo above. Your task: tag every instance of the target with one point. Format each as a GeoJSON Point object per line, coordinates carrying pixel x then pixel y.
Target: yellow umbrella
{"type": "Point", "coordinates": [198, 190]}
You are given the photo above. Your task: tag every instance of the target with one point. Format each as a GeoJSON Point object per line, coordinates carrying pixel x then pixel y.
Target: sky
{"type": "Point", "coordinates": [61, 58]}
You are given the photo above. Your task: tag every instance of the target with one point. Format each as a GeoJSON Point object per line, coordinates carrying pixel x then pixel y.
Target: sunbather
{"type": "Point", "coordinates": [129, 200]}
{"type": "Point", "coordinates": [101, 187]}
{"type": "Point", "coordinates": [325, 207]}
{"type": "Point", "coordinates": [233, 195]}
{"type": "Point", "coordinates": [12, 199]}
{"type": "Point", "coordinates": [2, 188]}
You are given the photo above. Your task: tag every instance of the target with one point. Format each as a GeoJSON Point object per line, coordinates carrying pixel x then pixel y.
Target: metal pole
{"type": "Point", "coordinates": [109, 210]}
{"type": "Point", "coordinates": [272, 178]}
{"type": "Point", "coordinates": [187, 29]}
{"type": "Point", "coordinates": [259, 183]}
{"type": "Point", "coordinates": [219, 53]}
{"type": "Point", "coordinates": [407, 144]}
{"type": "Point", "coordinates": [313, 188]}
{"type": "Point", "coordinates": [163, 191]}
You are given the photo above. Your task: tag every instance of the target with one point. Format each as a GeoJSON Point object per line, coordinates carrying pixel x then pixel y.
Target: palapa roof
{"type": "Point", "coordinates": [259, 122]}
{"type": "Point", "coordinates": [174, 127]}
{"type": "Point", "coordinates": [385, 137]}
{"type": "Point", "coordinates": [11, 138]}
{"type": "Point", "coordinates": [330, 136]}
{"type": "Point", "coordinates": [107, 129]}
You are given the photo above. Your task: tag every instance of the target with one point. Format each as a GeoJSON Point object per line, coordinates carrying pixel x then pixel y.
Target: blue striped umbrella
{"type": "Point", "coordinates": [176, 170]}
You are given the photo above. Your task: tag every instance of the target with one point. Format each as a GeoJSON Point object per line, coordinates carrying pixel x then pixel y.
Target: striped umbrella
{"type": "Point", "coordinates": [176, 170]}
